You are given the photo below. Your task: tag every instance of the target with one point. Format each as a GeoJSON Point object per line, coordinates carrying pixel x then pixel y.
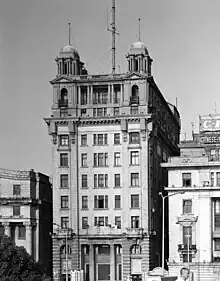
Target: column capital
{"type": "Point", "coordinates": [6, 224]}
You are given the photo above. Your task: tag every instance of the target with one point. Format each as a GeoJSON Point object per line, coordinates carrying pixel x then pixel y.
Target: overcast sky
{"type": "Point", "coordinates": [182, 37]}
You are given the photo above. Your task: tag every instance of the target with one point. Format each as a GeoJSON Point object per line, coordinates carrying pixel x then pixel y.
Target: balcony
{"type": "Point", "coordinates": [134, 232]}
{"type": "Point", "coordinates": [134, 100]}
{"type": "Point", "coordinates": [183, 249]}
{"type": "Point", "coordinates": [63, 103]}
{"type": "Point", "coordinates": [101, 232]}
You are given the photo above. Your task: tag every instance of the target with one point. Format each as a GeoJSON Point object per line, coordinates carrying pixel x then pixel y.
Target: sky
{"type": "Point", "coordinates": [182, 37]}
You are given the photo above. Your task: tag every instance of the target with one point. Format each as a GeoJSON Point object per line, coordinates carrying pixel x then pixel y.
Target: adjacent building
{"type": "Point", "coordinates": [26, 212]}
{"type": "Point", "coordinates": [194, 217]}
{"type": "Point", "coordinates": [109, 135]}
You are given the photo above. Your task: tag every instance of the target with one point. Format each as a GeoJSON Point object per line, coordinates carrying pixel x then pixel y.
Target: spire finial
{"type": "Point", "coordinates": [139, 29]}
{"type": "Point", "coordinates": [69, 33]}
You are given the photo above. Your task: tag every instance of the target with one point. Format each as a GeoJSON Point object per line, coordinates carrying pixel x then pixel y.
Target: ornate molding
{"type": "Point", "coordinates": [54, 138]}
{"type": "Point", "coordinates": [125, 136]}
{"type": "Point", "coordinates": [73, 137]}
{"type": "Point", "coordinates": [187, 220]}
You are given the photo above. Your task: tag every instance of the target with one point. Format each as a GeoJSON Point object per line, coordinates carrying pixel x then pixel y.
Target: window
{"type": "Point", "coordinates": [63, 113]}
{"type": "Point", "coordinates": [217, 214]}
{"type": "Point", "coordinates": [187, 206]}
{"type": "Point", "coordinates": [100, 180]}
{"type": "Point", "coordinates": [83, 98]}
{"type": "Point", "coordinates": [116, 111]}
{"type": "Point", "coordinates": [212, 155]}
{"type": "Point", "coordinates": [84, 180]}
{"type": "Point", "coordinates": [117, 160]}
{"type": "Point", "coordinates": [187, 235]}
{"type": "Point", "coordinates": [16, 189]}
{"type": "Point", "coordinates": [83, 140]}
{"type": "Point", "coordinates": [83, 112]}
{"type": "Point", "coordinates": [134, 222]}
{"type": "Point", "coordinates": [217, 179]}
{"type": "Point", "coordinates": [134, 138]}
{"type": "Point", "coordinates": [212, 179]}
{"type": "Point", "coordinates": [134, 158]}
{"type": "Point", "coordinates": [217, 244]}
{"type": "Point", "coordinates": [84, 159]}
{"type": "Point", "coordinates": [103, 272]}
{"type": "Point", "coordinates": [100, 159]}
{"type": "Point", "coordinates": [85, 224]}
{"type": "Point", "coordinates": [64, 140]}
{"type": "Point", "coordinates": [134, 179]}
{"type": "Point", "coordinates": [64, 202]}
{"type": "Point", "coordinates": [100, 139]}
{"type": "Point", "coordinates": [135, 89]}
{"type": "Point", "coordinates": [84, 202]}
{"type": "Point", "coordinates": [118, 222]}
{"type": "Point", "coordinates": [63, 102]}
{"type": "Point", "coordinates": [100, 98]}
{"type": "Point", "coordinates": [21, 232]}
{"type": "Point", "coordinates": [64, 222]}
{"type": "Point", "coordinates": [134, 201]}
{"type": "Point", "coordinates": [101, 221]}
{"type": "Point", "coordinates": [16, 210]}
{"type": "Point", "coordinates": [64, 182]}
{"type": "Point", "coordinates": [64, 159]}
{"type": "Point", "coordinates": [101, 201]}
{"type": "Point", "coordinates": [117, 201]}
{"type": "Point", "coordinates": [136, 249]}
{"type": "Point", "coordinates": [117, 138]}
{"type": "Point", "coordinates": [187, 181]}
{"type": "Point", "coordinates": [116, 94]}
{"type": "Point", "coordinates": [134, 110]}
{"type": "Point", "coordinates": [117, 180]}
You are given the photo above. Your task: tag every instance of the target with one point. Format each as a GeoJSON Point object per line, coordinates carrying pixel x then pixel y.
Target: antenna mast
{"type": "Point", "coordinates": [113, 31]}
{"type": "Point", "coordinates": [69, 33]}
{"type": "Point", "coordinates": [139, 29]}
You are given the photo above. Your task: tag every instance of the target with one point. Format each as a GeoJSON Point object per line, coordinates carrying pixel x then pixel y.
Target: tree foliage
{"type": "Point", "coordinates": [17, 265]}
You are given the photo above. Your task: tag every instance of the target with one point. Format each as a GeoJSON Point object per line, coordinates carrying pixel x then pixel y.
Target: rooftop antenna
{"type": "Point", "coordinates": [113, 31]}
{"type": "Point", "coordinates": [69, 33]}
{"type": "Point", "coordinates": [139, 29]}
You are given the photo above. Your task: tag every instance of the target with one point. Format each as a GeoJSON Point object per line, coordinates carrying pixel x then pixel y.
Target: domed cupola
{"type": "Point", "coordinates": [139, 59]}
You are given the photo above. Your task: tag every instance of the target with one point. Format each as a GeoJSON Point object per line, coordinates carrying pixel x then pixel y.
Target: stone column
{"type": "Point", "coordinates": [112, 262]}
{"type": "Point", "coordinates": [7, 228]}
{"type": "Point", "coordinates": [28, 238]}
{"type": "Point", "coordinates": [92, 263]}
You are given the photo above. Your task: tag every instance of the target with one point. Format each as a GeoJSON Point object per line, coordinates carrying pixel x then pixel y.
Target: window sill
{"type": "Point", "coordinates": [117, 187]}
{"type": "Point", "coordinates": [100, 209]}
{"type": "Point", "coordinates": [98, 187]}
{"type": "Point", "coordinates": [135, 208]}
{"type": "Point", "coordinates": [84, 145]}
{"type": "Point", "coordinates": [135, 186]}
{"type": "Point", "coordinates": [84, 167]}
{"type": "Point", "coordinates": [64, 187]}
{"type": "Point", "coordinates": [84, 209]}
{"type": "Point", "coordinates": [83, 187]}
{"type": "Point", "coordinates": [117, 209]}
{"type": "Point", "coordinates": [100, 145]}
{"type": "Point", "coordinates": [117, 166]}
{"type": "Point", "coordinates": [21, 238]}
{"type": "Point", "coordinates": [134, 165]}
{"type": "Point", "coordinates": [104, 166]}
{"type": "Point", "coordinates": [63, 166]}
{"type": "Point", "coordinates": [117, 144]}
{"type": "Point", "coordinates": [64, 209]}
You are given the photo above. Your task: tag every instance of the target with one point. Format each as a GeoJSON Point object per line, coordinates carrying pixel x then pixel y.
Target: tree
{"type": "Point", "coordinates": [17, 265]}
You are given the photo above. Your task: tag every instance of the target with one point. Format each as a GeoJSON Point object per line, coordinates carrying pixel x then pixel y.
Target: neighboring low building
{"type": "Point", "coordinates": [194, 217]}
{"type": "Point", "coordinates": [26, 212]}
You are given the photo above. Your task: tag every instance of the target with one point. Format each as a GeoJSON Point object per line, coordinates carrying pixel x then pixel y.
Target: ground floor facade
{"type": "Point", "coordinates": [101, 258]}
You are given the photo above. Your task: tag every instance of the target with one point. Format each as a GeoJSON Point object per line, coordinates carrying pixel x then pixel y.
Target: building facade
{"type": "Point", "coordinates": [194, 229]}
{"type": "Point", "coordinates": [26, 212]}
{"type": "Point", "coordinates": [109, 133]}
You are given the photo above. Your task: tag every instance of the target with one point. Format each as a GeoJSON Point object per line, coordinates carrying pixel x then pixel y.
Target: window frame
{"type": "Point", "coordinates": [64, 160]}
{"type": "Point", "coordinates": [16, 189]}
{"type": "Point", "coordinates": [64, 180]}
{"type": "Point", "coordinates": [64, 202]}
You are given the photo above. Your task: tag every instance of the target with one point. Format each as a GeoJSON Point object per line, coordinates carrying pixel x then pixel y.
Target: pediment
{"type": "Point", "coordinates": [61, 79]}
{"type": "Point", "coordinates": [135, 76]}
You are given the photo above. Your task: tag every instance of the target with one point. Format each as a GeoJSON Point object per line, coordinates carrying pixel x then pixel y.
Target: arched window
{"type": "Point", "coordinates": [136, 249]}
{"type": "Point", "coordinates": [63, 250]}
{"type": "Point", "coordinates": [135, 91]}
{"type": "Point", "coordinates": [64, 97]}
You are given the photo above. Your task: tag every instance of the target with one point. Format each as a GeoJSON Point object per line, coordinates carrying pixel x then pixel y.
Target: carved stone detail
{"type": "Point", "coordinates": [125, 136]}
{"type": "Point", "coordinates": [143, 135]}
{"type": "Point", "coordinates": [54, 139]}
{"type": "Point", "coordinates": [73, 138]}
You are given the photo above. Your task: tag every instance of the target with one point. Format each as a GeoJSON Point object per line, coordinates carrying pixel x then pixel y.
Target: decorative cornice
{"type": "Point", "coordinates": [15, 174]}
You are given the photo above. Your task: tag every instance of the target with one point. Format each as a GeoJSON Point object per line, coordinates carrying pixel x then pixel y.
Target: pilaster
{"type": "Point", "coordinates": [126, 260]}
{"type": "Point", "coordinates": [28, 227]}
{"type": "Point", "coordinates": [91, 262]}
{"type": "Point", "coordinates": [112, 262]}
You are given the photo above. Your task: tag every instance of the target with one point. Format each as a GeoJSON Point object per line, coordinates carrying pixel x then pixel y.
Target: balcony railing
{"type": "Point", "coordinates": [134, 100]}
{"type": "Point", "coordinates": [63, 103]}
{"type": "Point", "coordinates": [184, 248]}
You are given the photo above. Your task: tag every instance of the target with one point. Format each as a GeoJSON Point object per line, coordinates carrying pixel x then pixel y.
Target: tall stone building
{"type": "Point", "coordinates": [109, 133]}
{"type": "Point", "coordinates": [26, 212]}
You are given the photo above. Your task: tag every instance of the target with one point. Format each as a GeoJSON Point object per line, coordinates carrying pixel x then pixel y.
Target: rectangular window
{"type": "Point", "coordinates": [84, 202]}
{"type": "Point", "coordinates": [100, 159]}
{"type": "Point", "coordinates": [21, 232]}
{"type": "Point", "coordinates": [134, 201]}
{"type": "Point", "coordinates": [100, 201]}
{"type": "Point", "coordinates": [116, 111]}
{"type": "Point", "coordinates": [83, 140]}
{"type": "Point", "coordinates": [64, 140]}
{"type": "Point", "coordinates": [187, 206]}
{"type": "Point", "coordinates": [134, 138]}
{"type": "Point", "coordinates": [116, 95]}
{"type": "Point", "coordinates": [212, 178]}
{"type": "Point", "coordinates": [187, 235]}
{"type": "Point", "coordinates": [134, 179]}
{"type": "Point", "coordinates": [83, 112]}
{"type": "Point", "coordinates": [64, 222]}
{"type": "Point", "coordinates": [187, 180]}
{"type": "Point", "coordinates": [64, 181]}
{"type": "Point", "coordinates": [217, 179]}
{"type": "Point", "coordinates": [135, 222]}
{"type": "Point", "coordinates": [84, 159]}
{"type": "Point", "coordinates": [64, 159]}
{"type": "Point", "coordinates": [100, 97]}
{"type": "Point", "coordinates": [117, 180]}
{"type": "Point", "coordinates": [217, 244]}
{"type": "Point", "coordinates": [83, 98]}
{"type": "Point", "coordinates": [118, 222]}
{"type": "Point", "coordinates": [217, 214]}
{"type": "Point", "coordinates": [134, 110]}
{"type": "Point", "coordinates": [103, 272]}
{"type": "Point", "coordinates": [84, 180]}
{"type": "Point", "coordinates": [212, 155]}
{"type": "Point", "coordinates": [117, 201]}
{"type": "Point", "coordinates": [100, 139]}
{"type": "Point", "coordinates": [85, 222]}
{"type": "Point", "coordinates": [117, 138]}
{"type": "Point", "coordinates": [17, 189]}
{"type": "Point", "coordinates": [16, 210]}
{"type": "Point", "coordinates": [64, 202]}
{"type": "Point", "coordinates": [101, 221]}
{"type": "Point", "coordinates": [100, 180]}
{"type": "Point", "coordinates": [134, 158]}
{"type": "Point", "coordinates": [117, 159]}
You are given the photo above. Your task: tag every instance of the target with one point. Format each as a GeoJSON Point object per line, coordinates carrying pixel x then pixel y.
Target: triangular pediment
{"type": "Point", "coordinates": [61, 79]}
{"type": "Point", "coordinates": [135, 75]}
